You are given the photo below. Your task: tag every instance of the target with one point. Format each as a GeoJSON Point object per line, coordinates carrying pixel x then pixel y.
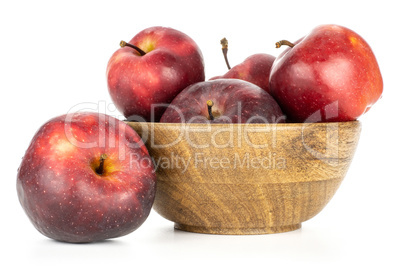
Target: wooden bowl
{"type": "Point", "coordinates": [247, 178]}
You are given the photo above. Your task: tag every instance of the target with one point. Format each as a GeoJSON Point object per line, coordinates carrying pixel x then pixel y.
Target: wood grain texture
{"type": "Point", "coordinates": [247, 179]}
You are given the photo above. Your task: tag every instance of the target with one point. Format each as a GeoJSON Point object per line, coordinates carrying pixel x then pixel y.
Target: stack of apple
{"type": "Point", "coordinates": [88, 177]}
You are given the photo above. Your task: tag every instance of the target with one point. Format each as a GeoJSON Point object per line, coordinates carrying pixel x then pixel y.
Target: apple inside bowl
{"type": "Point", "coordinates": [247, 178]}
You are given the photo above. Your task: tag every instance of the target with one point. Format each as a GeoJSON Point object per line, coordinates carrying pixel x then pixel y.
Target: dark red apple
{"type": "Point", "coordinates": [223, 101]}
{"type": "Point", "coordinates": [86, 177]}
{"type": "Point", "coordinates": [254, 69]}
{"type": "Point", "coordinates": [331, 74]}
{"type": "Point", "coordinates": [148, 72]}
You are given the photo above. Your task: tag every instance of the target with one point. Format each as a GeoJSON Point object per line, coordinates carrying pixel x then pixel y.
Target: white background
{"type": "Point", "coordinates": [53, 57]}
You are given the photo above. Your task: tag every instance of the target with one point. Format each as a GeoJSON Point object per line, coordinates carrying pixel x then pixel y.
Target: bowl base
{"type": "Point", "coordinates": [236, 231]}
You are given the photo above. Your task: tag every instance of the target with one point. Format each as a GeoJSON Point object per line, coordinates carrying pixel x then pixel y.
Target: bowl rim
{"type": "Point", "coordinates": [256, 125]}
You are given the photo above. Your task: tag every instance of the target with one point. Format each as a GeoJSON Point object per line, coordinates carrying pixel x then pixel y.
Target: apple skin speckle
{"type": "Point", "coordinates": [234, 101]}
{"type": "Point", "coordinates": [141, 87]}
{"type": "Point", "coordinates": [254, 69]}
{"type": "Point", "coordinates": [330, 75]}
{"type": "Point", "coordinates": [63, 195]}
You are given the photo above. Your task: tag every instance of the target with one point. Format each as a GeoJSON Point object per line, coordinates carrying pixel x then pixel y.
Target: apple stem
{"type": "Point", "coordinates": [224, 43]}
{"type": "Point", "coordinates": [139, 50]}
{"type": "Point", "coordinates": [210, 104]}
{"type": "Point", "coordinates": [100, 170]}
{"type": "Point", "coordinates": [284, 42]}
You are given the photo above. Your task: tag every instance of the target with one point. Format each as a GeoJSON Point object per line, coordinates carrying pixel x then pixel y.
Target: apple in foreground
{"type": "Point", "coordinates": [329, 75]}
{"type": "Point", "coordinates": [146, 74]}
{"type": "Point", "coordinates": [254, 69]}
{"type": "Point", "coordinates": [223, 101]}
{"type": "Point", "coordinates": [86, 177]}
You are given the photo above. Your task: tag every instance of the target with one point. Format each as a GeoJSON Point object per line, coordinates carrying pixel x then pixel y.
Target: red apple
{"type": "Point", "coordinates": [223, 101]}
{"type": "Point", "coordinates": [254, 69]}
{"type": "Point", "coordinates": [331, 74]}
{"type": "Point", "coordinates": [141, 86]}
{"type": "Point", "coordinates": [86, 177]}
